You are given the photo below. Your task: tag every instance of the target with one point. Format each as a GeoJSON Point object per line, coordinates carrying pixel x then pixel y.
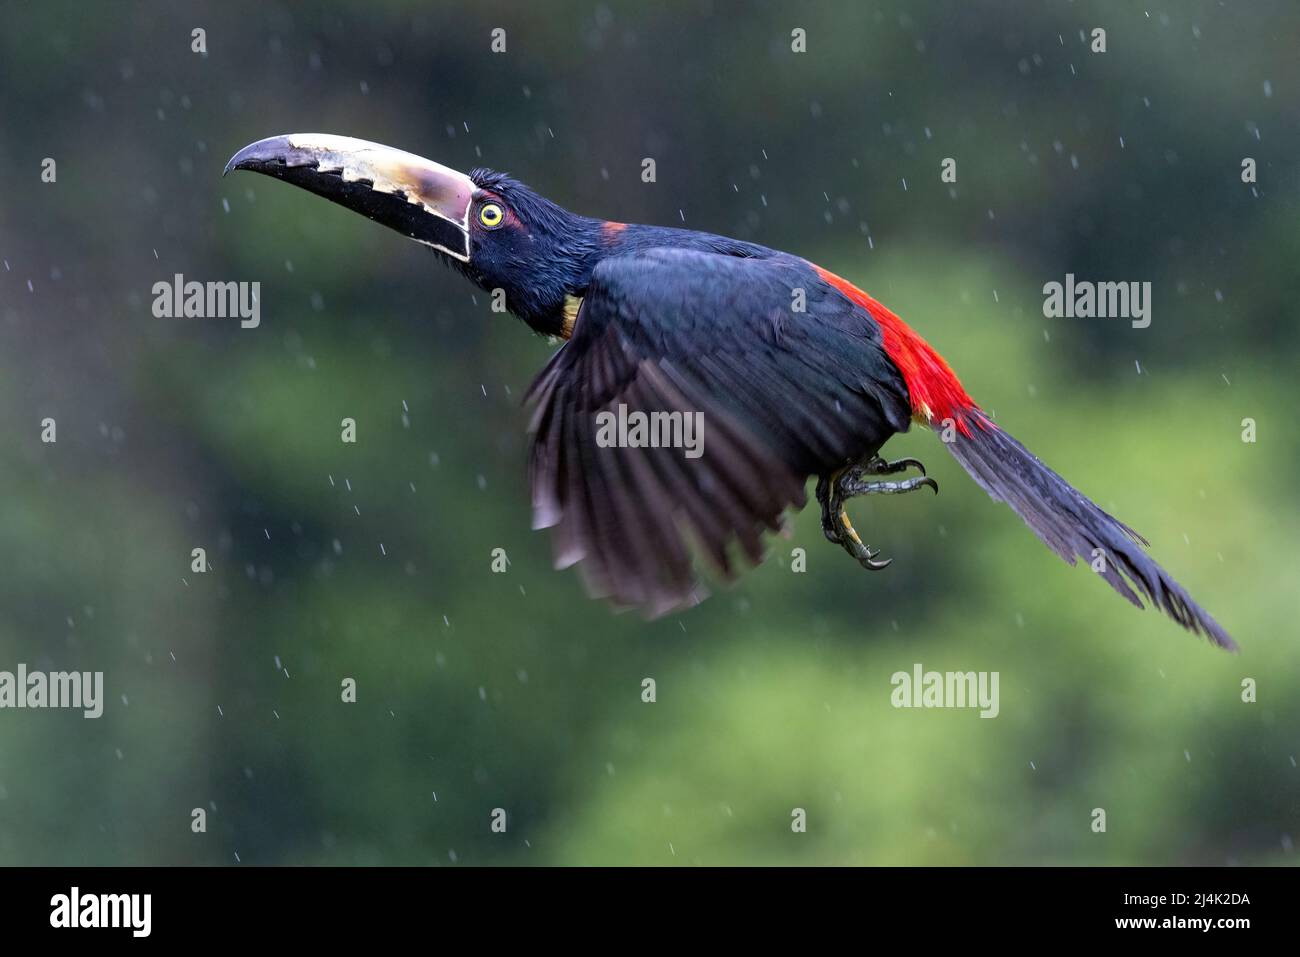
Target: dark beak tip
{"type": "Point", "coordinates": [261, 153]}
{"type": "Point", "coordinates": [239, 161]}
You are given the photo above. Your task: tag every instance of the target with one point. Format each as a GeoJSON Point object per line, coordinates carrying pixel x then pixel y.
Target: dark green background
{"type": "Point", "coordinates": [479, 690]}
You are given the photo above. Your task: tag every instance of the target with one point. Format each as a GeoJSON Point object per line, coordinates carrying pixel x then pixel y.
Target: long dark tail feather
{"type": "Point", "coordinates": [1073, 526]}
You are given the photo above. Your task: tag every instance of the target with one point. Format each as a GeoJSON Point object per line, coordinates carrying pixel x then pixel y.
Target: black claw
{"type": "Point", "coordinates": [878, 466]}
{"type": "Point", "coordinates": [833, 490]}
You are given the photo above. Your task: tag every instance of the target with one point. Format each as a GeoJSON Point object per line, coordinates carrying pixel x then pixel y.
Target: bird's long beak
{"type": "Point", "coordinates": [417, 197]}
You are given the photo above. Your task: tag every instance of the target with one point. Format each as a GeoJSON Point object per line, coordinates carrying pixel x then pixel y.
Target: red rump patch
{"type": "Point", "coordinates": [932, 386]}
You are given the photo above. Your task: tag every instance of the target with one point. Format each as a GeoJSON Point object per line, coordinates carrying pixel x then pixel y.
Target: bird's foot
{"type": "Point", "coordinates": [834, 490]}
{"type": "Point", "coordinates": [878, 466]}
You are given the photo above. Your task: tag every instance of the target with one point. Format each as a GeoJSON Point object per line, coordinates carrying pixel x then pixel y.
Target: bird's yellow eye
{"type": "Point", "coordinates": [491, 215]}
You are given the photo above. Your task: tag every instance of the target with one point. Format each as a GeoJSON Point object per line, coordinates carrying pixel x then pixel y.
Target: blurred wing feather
{"type": "Point", "coordinates": [781, 394]}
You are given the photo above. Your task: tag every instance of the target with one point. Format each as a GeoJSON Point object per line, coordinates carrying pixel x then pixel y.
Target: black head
{"type": "Point", "coordinates": [524, 250]}
{"type": "Point", "coordinates": [535, 252]}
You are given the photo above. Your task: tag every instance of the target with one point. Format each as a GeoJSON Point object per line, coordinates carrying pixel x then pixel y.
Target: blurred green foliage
{"type": "Point", "coordinates": [371, 561]}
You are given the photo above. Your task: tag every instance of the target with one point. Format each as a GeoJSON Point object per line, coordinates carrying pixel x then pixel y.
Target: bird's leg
{"type": "Point", "coordinates": [834, 490]}
{"type": "Point", "coordinates": [824, 500]}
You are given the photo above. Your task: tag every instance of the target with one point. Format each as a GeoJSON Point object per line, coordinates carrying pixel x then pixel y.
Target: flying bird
{"type": "Point", "coordinates": [792, 372]}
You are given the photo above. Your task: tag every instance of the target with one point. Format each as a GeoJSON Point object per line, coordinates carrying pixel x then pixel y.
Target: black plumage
{"type": "Point", "coordinates": [682, 330]}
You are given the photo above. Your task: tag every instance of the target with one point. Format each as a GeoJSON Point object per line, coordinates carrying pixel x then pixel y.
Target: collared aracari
{"type": "Point", "coordinates": [662, 321]}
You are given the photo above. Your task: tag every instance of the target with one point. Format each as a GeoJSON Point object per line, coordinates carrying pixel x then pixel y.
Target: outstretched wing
{"type": "Point", "coordinates": [785, 376]}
